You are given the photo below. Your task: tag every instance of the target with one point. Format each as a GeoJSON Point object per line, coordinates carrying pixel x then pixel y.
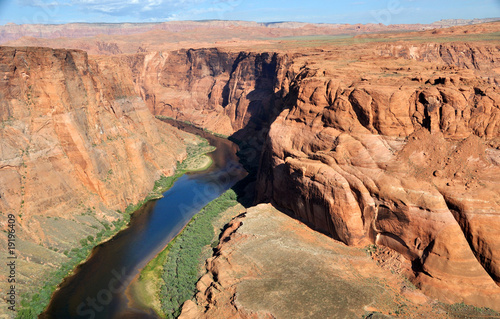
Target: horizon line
{"type": "Point", "coordinates": [494, 19]}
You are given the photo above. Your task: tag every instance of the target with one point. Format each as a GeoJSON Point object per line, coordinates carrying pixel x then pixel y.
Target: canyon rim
{"type": "Point", "coordinates": [356, 137]}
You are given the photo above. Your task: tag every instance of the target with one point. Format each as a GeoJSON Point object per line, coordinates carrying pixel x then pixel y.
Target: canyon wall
{"type": "Point", "coordinates": [397, 146]}
{"type": "Point", "coordinates": [369, 143]}
{"type": "Point", "coordinates": [222, 91]}
{"type": "Point", "coordinates": [484, 59]}
{"type": "Point", "coordinates": [269, 265]}
{"type": "Point", "coordinates": [77, 144]}
{"type": "Point", "coordinates": [411, 163]}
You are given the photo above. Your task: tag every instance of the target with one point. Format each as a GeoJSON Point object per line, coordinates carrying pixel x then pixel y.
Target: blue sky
{"type": "Point", "coordinates": [357, 11]}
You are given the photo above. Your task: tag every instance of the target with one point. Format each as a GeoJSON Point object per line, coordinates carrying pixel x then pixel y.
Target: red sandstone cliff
{"type": "Point", "coordinates": [76, 145]}
{"type": "Point", "coordinates": [268, 265]}
{"type": "Point", "coordinates": [411, 163]}
{"type": "Point", "coordinates": [483, 59]}
{"type": "Point", "coordinates": [219, 90]}
{"type": "Point", "coordinates": [385, 146]}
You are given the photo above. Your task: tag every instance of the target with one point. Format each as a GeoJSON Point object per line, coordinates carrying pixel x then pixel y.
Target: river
{"type": "Point", "coordinates": [97, 288]}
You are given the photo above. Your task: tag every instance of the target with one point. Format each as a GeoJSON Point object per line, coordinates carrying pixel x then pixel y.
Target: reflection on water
{"type": "Point", "coordinates": [97, 289]}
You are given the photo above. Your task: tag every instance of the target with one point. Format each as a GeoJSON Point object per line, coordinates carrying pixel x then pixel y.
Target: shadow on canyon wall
{"type": "Point", "coordinates": [364, 159]}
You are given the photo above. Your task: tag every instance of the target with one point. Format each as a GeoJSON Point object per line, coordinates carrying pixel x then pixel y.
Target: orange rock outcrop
{"type": "Point", "coordinates": [76, 145]}
{"type": "Point", "coordinates": [394, 144]}
{"type": "Point", "coordinates": [268, 265]}
{"type": "Point", "coordinates": [409, 161]}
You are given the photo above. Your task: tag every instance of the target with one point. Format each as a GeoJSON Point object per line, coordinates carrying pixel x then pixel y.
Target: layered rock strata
{"type": "Point", "coordinates": [385, 147]}
{"type": "Point", "coordinates": [222, 91]}
{"type": "Point", "coordinates": [411, 164]}
{"type": "Point", "coordinates": [394, 144]}
{"type": "Point", "coordinates": [76, 145]}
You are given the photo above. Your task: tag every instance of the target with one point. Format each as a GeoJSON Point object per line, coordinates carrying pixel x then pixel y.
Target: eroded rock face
{"type": "Point", "coordinates": [397, 146]}
{"type": "Point", "coordinates": [62, 112]}
{"type": "Point", "coordinates": [464, 55]}
{"type": "Point", "coordinates": [411, 167]}
{"type": "Point", "coordinates": [268, 265]}
{"type": "Point", "coordinates": [394, 145]}
{"type": "Point", "coordinates": [218, 90]}
{"type": "Point", "coordinates": [75, 140]}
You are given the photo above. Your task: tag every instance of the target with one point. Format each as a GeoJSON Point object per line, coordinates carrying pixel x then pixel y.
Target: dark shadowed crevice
{"type": "Point", "coordinates": [417, 263]}
{"type": "Point", "coordinates": [227, 88]}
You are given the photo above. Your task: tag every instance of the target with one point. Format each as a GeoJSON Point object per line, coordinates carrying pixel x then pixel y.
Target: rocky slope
{"type": "Point", "coordinates": [268, 265]}
{"type": "Point", "coordinates": [76, 145]}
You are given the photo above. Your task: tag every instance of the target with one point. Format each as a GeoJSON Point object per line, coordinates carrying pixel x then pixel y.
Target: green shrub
{"type": "Point", "coordinates": [180, 271]}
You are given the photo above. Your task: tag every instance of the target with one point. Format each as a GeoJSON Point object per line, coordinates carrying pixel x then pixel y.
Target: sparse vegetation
{"type": "Point", "coordinates": [196, 159]}
{"type": "Point", "coordinates": [178, 264]}
{"type": "Point", "coordinates": [462, 310]}
{"type": "Point", "coordinates": [32, 304]}
{"type": "Point", "coordinates": [370, 249]}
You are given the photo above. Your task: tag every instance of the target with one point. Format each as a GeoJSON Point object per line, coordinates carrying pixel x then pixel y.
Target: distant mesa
{"type": "Point", "coordinates": [12, 31]}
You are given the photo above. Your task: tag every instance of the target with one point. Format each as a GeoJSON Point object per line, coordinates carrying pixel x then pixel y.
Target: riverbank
{"type": "Point", "coordinates": [163, 117]}
{"type": "Point", "coordinates": [34, 303]}
{"type": "Point", "coordinates": [197, 159]}
{"type": "Point", "coordinates": [170, 278]}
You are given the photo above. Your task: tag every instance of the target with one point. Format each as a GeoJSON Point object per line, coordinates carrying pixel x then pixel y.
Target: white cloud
{"type": "Point", "coordinates": [152, 4]}
{"type": "Point", "coordinates": [42, 3]}
{"type": "Point", "coordinates": [142, 10]}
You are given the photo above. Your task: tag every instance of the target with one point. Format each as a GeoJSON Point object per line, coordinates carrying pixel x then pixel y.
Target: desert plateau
{"type": "Point", "coordinates": [236, 169]}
